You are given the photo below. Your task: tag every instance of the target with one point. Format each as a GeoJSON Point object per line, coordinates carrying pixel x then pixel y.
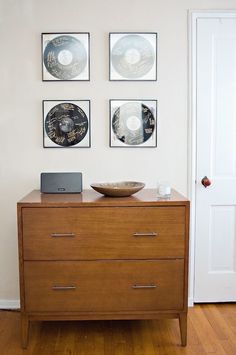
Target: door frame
{"type": "Point", "coordinates": [193, 16]}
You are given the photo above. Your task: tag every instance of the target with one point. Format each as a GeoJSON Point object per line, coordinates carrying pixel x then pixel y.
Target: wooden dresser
{"type": "Point", "coordinates": [85, 256]}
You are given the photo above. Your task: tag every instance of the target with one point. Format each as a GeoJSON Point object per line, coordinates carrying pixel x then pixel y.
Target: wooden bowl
{"type": "Point", "coordinates": [118, 189]}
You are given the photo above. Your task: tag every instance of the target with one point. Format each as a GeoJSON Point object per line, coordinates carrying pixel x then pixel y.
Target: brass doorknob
{"type": "Point", "coordinates": [205, 181]}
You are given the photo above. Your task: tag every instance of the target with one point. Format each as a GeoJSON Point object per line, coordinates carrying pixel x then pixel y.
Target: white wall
{"type": "Point", "coordinates": [22, 156]}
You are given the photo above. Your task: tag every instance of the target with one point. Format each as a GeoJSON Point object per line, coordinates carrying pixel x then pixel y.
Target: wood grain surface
{"type": "Point", "coordinates": [211, 330]}
{"type": "Point", "coordinates": [103, 233]}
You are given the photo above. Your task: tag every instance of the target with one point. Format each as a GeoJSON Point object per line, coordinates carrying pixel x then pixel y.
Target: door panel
{"type": "Point", "coordinates": [222, 239]}
{"type": "Point", "coordinates": [215, 253]}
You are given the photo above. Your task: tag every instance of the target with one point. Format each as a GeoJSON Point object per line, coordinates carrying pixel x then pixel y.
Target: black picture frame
{"type": "Point", "coordinates": [66, 123]}
{"type": "Point", "coordinates": [133, 123]}
{"type": "Point", "coordinates": [65, 56]}
{"type": "Point", "coordinates": [133, 56]}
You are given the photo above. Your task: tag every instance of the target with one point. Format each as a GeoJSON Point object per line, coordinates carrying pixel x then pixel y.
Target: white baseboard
{"type": "Point", "coordinates": [9, 304]}
{"type": "Point", "coordinates": [190, 302]}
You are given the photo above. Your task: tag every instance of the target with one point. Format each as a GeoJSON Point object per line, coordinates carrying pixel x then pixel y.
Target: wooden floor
{"type": "Point", "coordinates": [211, 330]}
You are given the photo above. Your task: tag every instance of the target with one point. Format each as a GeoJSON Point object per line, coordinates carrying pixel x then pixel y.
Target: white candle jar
{"type": "Point", "coordinates": [164, 189]}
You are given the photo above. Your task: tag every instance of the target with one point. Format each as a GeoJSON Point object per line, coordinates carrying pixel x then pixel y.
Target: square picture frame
{"type": "Point", "coordinates": [133, 123]}
{"type": "Point", "coordinates": [133, 56]}
{"type": "Point", "coordinates": [66, 124]}
{"type": "Point", "coordinates": [65, 56]}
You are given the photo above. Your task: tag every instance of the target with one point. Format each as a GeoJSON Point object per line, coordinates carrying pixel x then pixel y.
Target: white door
{"type": "Point", "coordinates": [215, 248]}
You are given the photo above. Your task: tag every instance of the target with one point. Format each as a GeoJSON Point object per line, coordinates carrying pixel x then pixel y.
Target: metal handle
{"type": "Point", "coordinates": [59, 235]}
{"type": "Point", "coordinates": [151, 234]}
{"type": "Point", "coordinates": [143, 286]}
{"type": "Point", "coordinates": [62, 288]}
{"type": "Point", "coordinates": [205, 181]}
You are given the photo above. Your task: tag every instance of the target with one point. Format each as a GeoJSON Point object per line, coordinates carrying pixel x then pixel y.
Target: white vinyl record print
{"type": "Point", "coordinates": [133, 56]}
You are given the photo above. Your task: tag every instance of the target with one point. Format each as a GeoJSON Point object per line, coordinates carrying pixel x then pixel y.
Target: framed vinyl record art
{"type": "Point", "coordinates": [133, 56]}
{"type": "Point", "coordinates": [65, 56]}
{"type": "Point", "coordinates": [66, 124]}
{"type": "Point", "coordinates": [133, 123]}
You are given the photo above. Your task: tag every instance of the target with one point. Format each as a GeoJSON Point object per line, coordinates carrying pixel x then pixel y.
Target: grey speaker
{"type": "Point", "coordinates": [61, 183]}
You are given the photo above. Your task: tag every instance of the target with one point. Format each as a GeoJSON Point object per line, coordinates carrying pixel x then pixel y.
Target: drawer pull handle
{"type": "Point", "coordinates": [59, 235]}
{"type": "Point", "coordinates": [152, 234]}
{"type": "Point", "coordinates": [63, 288]}
{"type": "Point", "coordinates": [143, 286]}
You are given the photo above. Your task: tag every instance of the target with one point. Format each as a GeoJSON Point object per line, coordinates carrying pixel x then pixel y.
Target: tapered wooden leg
{"type": "Point", "coordinates": [183, 328]}
{"type": "Point", "coordinates": [24, 330]}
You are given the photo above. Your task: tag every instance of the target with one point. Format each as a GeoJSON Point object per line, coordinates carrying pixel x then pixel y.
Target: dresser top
{"type": "Point", "coordinates": [145, 197]}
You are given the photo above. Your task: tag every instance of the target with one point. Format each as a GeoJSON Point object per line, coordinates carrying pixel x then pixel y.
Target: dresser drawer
{"type": "Point", "coordinates": [103, 233]}
{"type": "Point", "coordinates": [103, 285]}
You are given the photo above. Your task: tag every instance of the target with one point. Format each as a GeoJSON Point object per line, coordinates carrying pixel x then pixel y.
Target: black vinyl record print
{"type": "Point", "coordinates": [66, 124]}
{"type": "Point", "coordinates": [133, 123]}
{"type": "Point", "coordinates": [65, 57]}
